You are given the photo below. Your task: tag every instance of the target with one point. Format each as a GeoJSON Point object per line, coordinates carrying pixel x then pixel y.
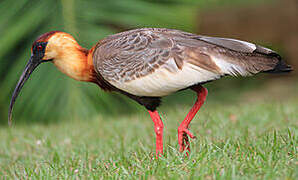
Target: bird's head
{"type": "Point", "coordinates": [52, 46]}
{"type": "Point", "coordinates": [57, 47]}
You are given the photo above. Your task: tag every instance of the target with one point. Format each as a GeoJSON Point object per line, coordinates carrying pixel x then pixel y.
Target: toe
{"type": "Point", "coordinates": [189, 133]}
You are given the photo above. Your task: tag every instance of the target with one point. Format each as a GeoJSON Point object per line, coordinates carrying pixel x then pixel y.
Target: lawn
{"type": "Point", "coordinates": [250, 133]}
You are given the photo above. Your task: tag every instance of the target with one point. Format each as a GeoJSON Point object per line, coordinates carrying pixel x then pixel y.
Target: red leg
{"type": "Point", "coordinates": [158, 128]}
{"type": "Point", "coordinates": [183, 128]}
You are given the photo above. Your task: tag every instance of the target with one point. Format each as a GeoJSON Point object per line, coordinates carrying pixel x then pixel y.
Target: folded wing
{"type": "Point", "coordinates": [157, 62]}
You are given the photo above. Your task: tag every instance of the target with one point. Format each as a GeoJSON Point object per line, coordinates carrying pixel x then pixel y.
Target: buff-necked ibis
{"type": "Point", "coordinates": [148, 64]}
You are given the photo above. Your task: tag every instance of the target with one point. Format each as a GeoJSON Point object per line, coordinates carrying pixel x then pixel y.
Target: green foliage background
{"type": "Point", "coordinates": [49, 95]}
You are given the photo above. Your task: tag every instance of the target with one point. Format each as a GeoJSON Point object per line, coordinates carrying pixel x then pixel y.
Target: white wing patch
{"type": "Point", "coordinates": [163, 81]}
{"type": "Point", "coordinates": [228, 68]}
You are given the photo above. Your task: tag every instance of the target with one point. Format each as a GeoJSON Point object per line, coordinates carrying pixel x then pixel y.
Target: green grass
{"type": "Point", "coordinates": [250, 137]}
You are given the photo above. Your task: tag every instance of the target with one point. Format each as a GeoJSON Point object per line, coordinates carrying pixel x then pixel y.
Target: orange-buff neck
{"type": "Point", "coordinates": [70, 58]}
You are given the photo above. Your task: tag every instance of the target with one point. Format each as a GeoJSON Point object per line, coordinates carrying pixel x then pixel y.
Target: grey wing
{"type": "Point", "coordinates": [134, 54]}
{"type": "Point", "coordinates": [150, 62]}
{"type": "Point", "coordinates": [235, 57]}
{"type": "Point", "coordinates": [233, 44]}
{"type": "Point", "coordinates": [248, 57]}
{"type": "Point", "coordinates": [157, 62]}
{"type": "Point", "coordinates": [238, 45]}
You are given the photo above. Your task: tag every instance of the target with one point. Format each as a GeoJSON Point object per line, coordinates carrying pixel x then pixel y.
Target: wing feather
{"type": "Point", "coordinates": [157, 62]}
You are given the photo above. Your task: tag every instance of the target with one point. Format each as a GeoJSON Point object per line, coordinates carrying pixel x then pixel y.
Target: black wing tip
{"type": "Point", "coordinates": [281, 66]}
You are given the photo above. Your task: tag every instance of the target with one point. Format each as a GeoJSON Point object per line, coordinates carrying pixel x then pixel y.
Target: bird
{"type": "Point", "coordinates": [148, 64]}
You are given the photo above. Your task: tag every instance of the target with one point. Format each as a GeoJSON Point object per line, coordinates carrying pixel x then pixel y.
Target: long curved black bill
{"type": "Point", "coordinates": [31, 65]}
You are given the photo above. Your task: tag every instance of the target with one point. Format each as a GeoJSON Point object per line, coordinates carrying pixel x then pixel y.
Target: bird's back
{"type": "Point", "coordinates": [157, 62]}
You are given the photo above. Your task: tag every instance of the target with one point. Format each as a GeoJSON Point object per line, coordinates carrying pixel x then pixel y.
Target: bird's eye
{"type": "Point", "coordinates": [39, 47]}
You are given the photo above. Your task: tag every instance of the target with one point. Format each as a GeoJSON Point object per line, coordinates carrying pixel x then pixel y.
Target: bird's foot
{"type": "Point", "coordinates": [183, 140]}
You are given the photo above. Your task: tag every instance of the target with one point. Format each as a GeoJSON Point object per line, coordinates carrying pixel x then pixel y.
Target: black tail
{"type": "Point", "coordinates": [281, 66]}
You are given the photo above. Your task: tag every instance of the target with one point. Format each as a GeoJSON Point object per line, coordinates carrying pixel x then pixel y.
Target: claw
{"type": "Point", "coordinates": [189, 133]}
{"type": "Point", "coordinates": [183, 134]}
